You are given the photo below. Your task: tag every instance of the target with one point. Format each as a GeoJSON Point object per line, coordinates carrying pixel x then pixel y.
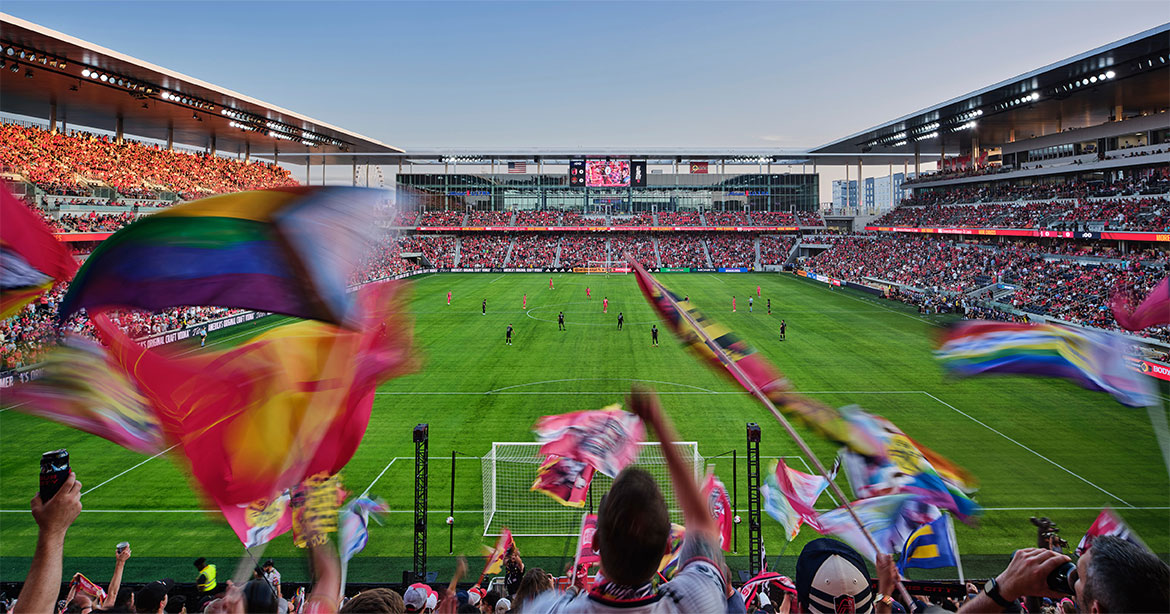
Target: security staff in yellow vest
{"type": "Point", "coordinates": [205, 582]}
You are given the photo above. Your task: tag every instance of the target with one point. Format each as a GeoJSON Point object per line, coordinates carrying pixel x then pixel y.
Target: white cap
{"type": "Point", "coordinates": [415, 597]}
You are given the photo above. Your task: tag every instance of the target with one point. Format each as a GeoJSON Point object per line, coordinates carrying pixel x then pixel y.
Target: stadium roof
{"type": "Point", "coordinates": [1080, 91]}
{"type": "Point", "coordinates": [93, 87]}
{"type": "Point", "coordinates": [654, 155]}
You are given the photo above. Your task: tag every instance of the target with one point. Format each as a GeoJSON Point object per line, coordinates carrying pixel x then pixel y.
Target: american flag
{"type": "Point", "coordinates": [517, 167]}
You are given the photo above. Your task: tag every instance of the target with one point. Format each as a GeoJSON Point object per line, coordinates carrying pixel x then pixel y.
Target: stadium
{"type": "Point", "coordinates": [1032, 201]}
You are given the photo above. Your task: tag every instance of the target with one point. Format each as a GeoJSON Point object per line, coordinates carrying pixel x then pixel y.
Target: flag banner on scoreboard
{"type": "Point", "coordinates": [1153, 311]}
{"type": "Point", "coordinates": [719, 346]}
{"type": "Point", "coordinates": [751, 587]}
{"type": "Point", "coordinates": [719, 504]}
{"type": "Point", "coordinates": [668, 566]}
{"type": "Point", "coordinates": [606, 438]}
{"type": "Point", "coordinates": [1108, 522]}
{"type": "Point", "coordinates": [292, 402]}
{"type": "Point", "coordinates": [518, 167]}
{"type": "Point", "coordinates": [929, 547]}
{"type": "Point", "coordinates": [564, 479]}
{"type": "Point", "coordinates": [587, 554]}
{"type": "Point", "coordinates": [31, 258]}
{"type": "Point", "coordinates": [290, 251]}
{"type": "Point", "coordinates": [83, 387]}
{"type": "Point", "coordinates": [1093, 359]}
{"type": "Point", "coordinates": [889, 519]}
{"type": "Point", "coordinates": [905, 468]}
{"type": "Point", "coordinates": [354, 525]}
{"type": "Point", "coordinates": [495, 556]}
{"type": "Point", "coordinates": [260, 521]}
{"type": "Point", "coordinates": [790, 497]}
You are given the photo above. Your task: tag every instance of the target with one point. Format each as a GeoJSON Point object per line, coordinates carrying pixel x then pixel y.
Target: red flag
{"type": "Point", "coordinates": [31, 256]}
{"type": "Point", "coordinates": [495, 559]}
{"type": "Point", "coordinates": [586, 553]}
{"type": "Point", "coordinates": [1108, 523]}
{"type": "Point", "coordinates": [259, 521]}
{"type": "Point", "coordinates": [1154, 311]}
{"type": "Point", "coordinates": [607, 438]}
{"type": "Point", "coordinates": [564, 479]}
{"type": "Point", "coordinates": [720, 506]}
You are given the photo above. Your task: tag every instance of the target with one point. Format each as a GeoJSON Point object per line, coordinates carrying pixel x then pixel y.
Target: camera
{"type": "Point", "coordinates": [1063, 578]}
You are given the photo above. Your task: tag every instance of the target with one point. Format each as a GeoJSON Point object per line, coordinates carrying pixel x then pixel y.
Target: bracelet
{"type": "Point", "coordinates": [886, 599]}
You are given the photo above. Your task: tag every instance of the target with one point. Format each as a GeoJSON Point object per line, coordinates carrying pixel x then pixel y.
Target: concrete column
{"type": "Point", "coordinates": [52, 118]}
{"type": "Point", "coordinates": [860, 187]}
{"type": "Point", "coordinates": [247, 152]}
{"type": "Point", "coordinates": [354, 171]}
{"type": "Point", "coordinates": [917, 161]}
{"type": "Point", "coordinates": [308, 167]}
{"type": "Point", "coordinates": [213, 144]}
{"type": "Point", "coordinates": [1118, 110]}
{"type": "Point", "coordinates": [322, 170]}
{"type": "Point", "coordinates": [367, 175]}
{"type": "Point", "coordinates": [170, 137]}
{"type": "Point", "coordinates": [974, 150]}
{"type": "Point", "coordinates": [118, 129]}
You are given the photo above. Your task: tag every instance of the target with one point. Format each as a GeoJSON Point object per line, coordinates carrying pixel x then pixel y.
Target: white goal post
{"type": "Point", "coordinates": [509, 502]}
{"type": "Point", "coordinates": [606, 267]}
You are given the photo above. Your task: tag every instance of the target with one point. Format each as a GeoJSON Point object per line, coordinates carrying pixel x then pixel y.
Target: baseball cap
{"type": "Point", "coordinates": [831, 577]}
{"type": "Point", "coordinates": [415, 597]}
{"type": "Point", "coordinates": [503, 605]}
{"type": "Point", "coordinates": [151, 596]}
{"type": "Point", "coordinates": [432, 599]}
{"type": "Point", "coordinates": [474, 595]}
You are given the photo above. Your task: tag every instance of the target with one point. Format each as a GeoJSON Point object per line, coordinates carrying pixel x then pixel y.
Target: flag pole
{"type": "Point", "coordinates": [763, 398]}
{"type": "Point", "coordinates": [955, 547]}
{"type": "Point", "coordinates": [1157, 415]}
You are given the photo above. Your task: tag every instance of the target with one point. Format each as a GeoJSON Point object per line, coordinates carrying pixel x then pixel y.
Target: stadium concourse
{"type": "Point", "coordinates": [846, 297]}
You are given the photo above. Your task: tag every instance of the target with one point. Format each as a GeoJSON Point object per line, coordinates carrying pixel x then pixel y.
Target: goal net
{"type": "Point", "coordinates": [510, 469]}
{"type": "Point", "coordinates": [606, 267]}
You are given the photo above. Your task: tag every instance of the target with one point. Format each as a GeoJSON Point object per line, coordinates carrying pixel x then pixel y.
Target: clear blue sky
{"type": "Point", "coordinates": [599, 74]}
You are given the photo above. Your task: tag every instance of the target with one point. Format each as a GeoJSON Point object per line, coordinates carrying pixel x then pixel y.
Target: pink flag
{"type": "Point", "coordinates": [606, 438]}
{"type": "Point", "coordinates": [720, 507]}
{"type": "Point", "coordinates": [586, 552]}
{"type": "Point", "coordinates": [564, 479]}
{"type": "Point", "coordinates": [1154, 311]}
{"type": "Point", "coordinates": [1108, 523]}
{"type": "Point", "coordinates": [259, 521]}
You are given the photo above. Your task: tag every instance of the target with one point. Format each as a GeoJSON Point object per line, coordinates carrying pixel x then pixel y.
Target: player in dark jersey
{"type": "Point", "coordinates": [508, 335]}
{"type": "Point", "coordinates": [485, 306]}
{"type": "Point", "coordinates": [783, 329]}
{"type": "Point", "coordinates": [561, 321]}
{"type": "Point", "coordinates": [621, 319]}
{"type": "Point", "coordinates": [654, 335]}
{"type": "Point", "coordinates": [769, 306]}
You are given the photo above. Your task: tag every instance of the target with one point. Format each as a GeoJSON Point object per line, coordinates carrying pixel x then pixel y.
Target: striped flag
{"type": "Point", "coordinates": [354, 525]}
{"type": "Point", "coordinates": [929, 547]}
{"type": "Point", "coordinates": [789, 497]}
{"type": "Point", "coordinates": [518, 167]}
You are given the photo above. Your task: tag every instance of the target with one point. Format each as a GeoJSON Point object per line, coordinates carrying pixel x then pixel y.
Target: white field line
{"type": "Point", "coordinates": [884, 308]}
{"type": "Point", "coordinates": [717, 279]}
{"type": "Point", "coordinates": [392, 461]}
{"type": "Point", "coordinates": [495, 280]}
{"type": "Point", "coordinates": [129, 470]}
{"type": "Point", "coordinates": [1054, 463]}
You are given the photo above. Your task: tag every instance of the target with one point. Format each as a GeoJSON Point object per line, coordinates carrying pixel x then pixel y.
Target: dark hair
{"type": "Point", "coordinates": [175, 604]}
{"type": "Point", "coordinates": [633, 527]}
{"type": "Point", "coordinates": [1124, 577]}
{"type": "Point", "coordinates": [534, 582]}
{"type": "Point", "coordinates": [376, 601]}
{"type": "Point", "coordinates": [467, 608]}
{"type": "Point", "coordinates": [492, 597]}
{"type": "Point", "coordinates": [199, 562]}
{"type": "Point", "coordinates": [259, 597]}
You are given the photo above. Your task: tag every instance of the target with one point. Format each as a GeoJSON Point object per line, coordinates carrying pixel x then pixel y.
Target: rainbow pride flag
{"type": "Point", "coordinates": [1092, 359]}
{"type": "Point", "coordinates": [287, 251]}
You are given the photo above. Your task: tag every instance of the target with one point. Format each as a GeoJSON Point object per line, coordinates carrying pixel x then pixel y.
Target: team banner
{"type": "Point", "coordinates": [719, 504]}
{"type": "Point", "coordinates": [564, 479]}
{"type": "Point", "coordinates": [606, 439]}
{"type": "Point", "coordinates": [750, 588]}
{"type": "Point", "coordinates": [495, 556]}
{"type": "Point", "coordinates": [258, 522]}
{"type": "Point", "coordinates": [587, 554]}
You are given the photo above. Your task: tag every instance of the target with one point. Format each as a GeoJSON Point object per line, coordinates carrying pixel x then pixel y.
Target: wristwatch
{"type": "Point", "coordinates": [992, 590]}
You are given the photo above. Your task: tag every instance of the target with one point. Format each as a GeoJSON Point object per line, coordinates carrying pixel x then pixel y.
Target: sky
{"type": "Point", "coordinates": [599, 74]}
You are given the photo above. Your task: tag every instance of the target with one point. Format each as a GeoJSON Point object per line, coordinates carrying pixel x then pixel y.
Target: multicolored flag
{"type": "Point", "coordinates": [587, 554]}
{"type": "Point", "coordinates": [82, 387]}
{"type": "Point", "coordinates": [288, 251]}
{"type": "Point", "coordinates": [1093, 359]}
{"type": "Point", "coordinates": [1153, 311]}
{"type": "Point", "coordinates": [889, 519]}
{"type": "Point", "coordinates": [31, 258]}
{"type": "Point", "coordinates": [929, 547]}
{"type": "Point", "coordinates": [291, 403]}
{"type": "Point", "coordinates": [260, 521]}
{"type": "Point", "coordinates": [353, 532]}
{"type": "Point", "coordinates": [564, 479]}
{"type": "Point", "coordinates": [720, 506]}
{"type": "Point", "coordinates": [1108, 522]}
{"type": "Point", "coordinates": [606, 438]}
{"type": "Point", "coordinates": [495, 556]}
{"type": "Point", "coordinates": [669, 564]}
{"type": "Point", "coordinates": [719, 346]}
{"type": "Point", "coordinates": [790, 496]}
{"type": "Point", "coordinates": [750, 588]}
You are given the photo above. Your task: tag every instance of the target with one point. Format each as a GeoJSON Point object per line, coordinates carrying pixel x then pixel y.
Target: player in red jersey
{"type": "Point", "coordinates": [550, 286]}
{"type": "Point", "coordinates": [733, 304]}
{"type": "Point", "coordinates": [605, 305]}
{"type": "Point", "coordinates": [524, 305]}
{"type": "Point", "coordinates": [758, 295]}
{"type": "Point", "coordinates": [448, 298]}
{"type": "Point", "coordinates": [586, 291]}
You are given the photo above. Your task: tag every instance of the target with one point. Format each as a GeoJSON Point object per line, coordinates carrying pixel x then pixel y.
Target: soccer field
{"type": "Point", "coordinates": [1039, 447]}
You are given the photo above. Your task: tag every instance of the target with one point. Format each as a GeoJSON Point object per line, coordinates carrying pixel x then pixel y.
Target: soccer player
{"type": "Point", "coordinates": [733, 304]}
{"type": "Point", "coordinates": [687, 297]}
{"type": "Point", "coordinates": [508, 335]}
{"type": "Point", "coordinates": [448, 298]}
{"type": "Point", "coordinates": [550, 285]}
{"type": "Point", "coordinates": [654, 335]}
{"type": "Point", "coordinates": [769, 306]}
{"type": "Point", "coordinates": [605, 305]}
{"type": "Point", "coordinates": [758, 291]}
{"type": "Point", "coordinates": [561, 321]}
{"type": "Point", "coordinates": [524, 305]}
{"type": "Point", "coordinates": [621, 319]}
{"type": "Point", "coordinates": [586, 291]}
{"type": "Point", "coordinates": [202, 337]}
{"type": "Point", "coordinates": [751, 304]}
{"type": "Point", "coordinates": [485, 306]}
{"type": "Point", "coordinates": [783, 328]}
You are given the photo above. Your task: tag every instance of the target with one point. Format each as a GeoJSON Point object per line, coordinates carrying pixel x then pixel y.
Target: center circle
{"type": "Point", "coordinates": [567, 321]}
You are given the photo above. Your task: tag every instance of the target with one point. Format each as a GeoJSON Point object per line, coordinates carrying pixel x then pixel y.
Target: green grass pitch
{"type": "Point", "coordinates": [1040, 447]}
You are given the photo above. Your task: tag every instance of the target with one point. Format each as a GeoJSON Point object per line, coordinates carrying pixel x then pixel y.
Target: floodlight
{"type": "Point", "coordinates": [104, 78]}
{"type": "Point", "coordinates": [1092, 79]}
{"type": "Point", "coordinates": [85, 73]}
{"type": "Point", "coordinates": [1110, 74]}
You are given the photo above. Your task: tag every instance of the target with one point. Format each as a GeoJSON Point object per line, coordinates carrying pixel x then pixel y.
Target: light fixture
{"type": "Point", "coordinates": [104, 78]}
{"type": "Point", "coordinates": [85, 72]}
{"type": "Point", "coordinates": [28, 74]}
{"type": "Point", "coordinates": [1110, 74]}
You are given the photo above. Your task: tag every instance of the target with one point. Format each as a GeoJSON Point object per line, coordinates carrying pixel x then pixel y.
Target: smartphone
{"type": "Point", "coordinates": [54, 472]}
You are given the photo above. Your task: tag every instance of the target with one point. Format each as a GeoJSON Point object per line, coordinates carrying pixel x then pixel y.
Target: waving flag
{"type": "Point", "coordinates": [669, 564]}
{"type": "Point", "coordinates": [81, 386]}
{"type": "Point", "coordinates": [1108, 522]}
{"type": "Point", "coordinates": [564, 479]}
{"type": "Point", "coordinates": [606, 439]}
{"type": "Point", "coordinates": [719, 346]}
{"type": "Point", "coordinates": [288, 251]}
{"type": "Point", "coordinates": [889, 519]}
{"type": "Point", "coordinates": [750, 588]}
{"type": "Point", "coordinates": [1153, 311]}
{"type": "Point", "coordinates": [495, 556]}
{"type": "Point", "coordinates": [260, 521]}
{"type": "Point", "coordinates": [31, 258]}
{"type": "Point", "coordinates": [790, 496]}
{"type": "Point", "coordinates": [353, 532]}
{"type": "Point", "coordinates": [587, 554]}
{"type": "Point", "coordinates": [262, 417]}
{"type": "Point", "coordinates": [1093, 359]}
{"type": "Point", "coordinates": [719, 505]}
{"type": "Point", "coordinates": [929, 547]}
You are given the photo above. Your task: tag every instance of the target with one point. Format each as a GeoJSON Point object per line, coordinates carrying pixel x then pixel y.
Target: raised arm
{"type": "Point", "coordinates": [645, 404]}
{"type": "Point", "coordinates": [116, 580]}
{"type": "Point", "coordinates": [43, 582]}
